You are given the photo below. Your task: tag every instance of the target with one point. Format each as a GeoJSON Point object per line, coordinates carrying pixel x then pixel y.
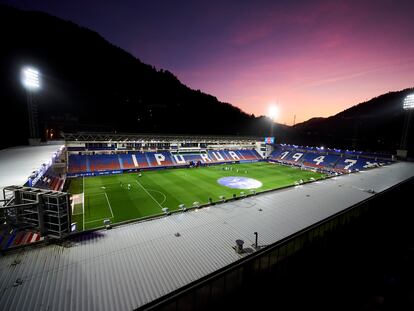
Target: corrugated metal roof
{"type": "Point", "coordinates": [131, 265]}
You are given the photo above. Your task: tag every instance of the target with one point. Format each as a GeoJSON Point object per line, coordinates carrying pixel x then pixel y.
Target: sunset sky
{"type": "Point", "coordinates": [311, 58]}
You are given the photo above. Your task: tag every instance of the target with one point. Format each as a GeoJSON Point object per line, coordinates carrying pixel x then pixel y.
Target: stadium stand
{"type": "Point", "coordinates": [317, 160]}
{"type": "Point", "coordinates": [85, 163]}
{"type": "Point", "coordinates": [323, 159]}
{"type": "Point", "coordinates": [326, 159]}
{"type": "Point", "coordinates": [196, 157]}
{"type": "Point", "coordinates": [141, 160]}
{"type": "Point", "coordinates": [248, 154]}
{"type": "Point", "coordinates": [126, 161]}
{"type": "Point", "coordinates": [50, 181]}
{"type": "Point", "coordinates": [159, 158]}
{"type": "Point", "coordinates": [217, 157]}
{"type": "Point", "coordinates": [351, 164]}
{"type": "Point", "coordinates": [275, 154]}
{"type": "Point", "coordinates": [105, 162]}
{"type": "Point", "coordinates": [77, 164]}
{"type": "Point", "coordinates": [12, 237]}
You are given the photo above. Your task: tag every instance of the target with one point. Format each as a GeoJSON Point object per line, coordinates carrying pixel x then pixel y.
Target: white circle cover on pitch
{"type": "Point", "coordinates": [237, 182]}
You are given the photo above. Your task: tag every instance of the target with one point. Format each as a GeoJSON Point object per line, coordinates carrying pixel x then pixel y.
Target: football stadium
{"type": "Point", "coordinates": [271, 168]}
{"type": "Point", "coordinates": [123, 197]}
{"type": "Point", "coordinates": [121, 185]}
{"type": "Point", "coordinates": [192, 210]}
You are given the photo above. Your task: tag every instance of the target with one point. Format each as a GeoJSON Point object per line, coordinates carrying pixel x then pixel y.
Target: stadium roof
{"type": "Point", "coordinates": [18, 163]}
{"type": "Point", "coordinates": [131, 265]}
{"type": "Point", "coordinates": [128, 137]}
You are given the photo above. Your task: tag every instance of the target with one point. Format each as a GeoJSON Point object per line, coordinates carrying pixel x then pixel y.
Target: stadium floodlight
{"type": "Point", "coordinates": [30, 78]}
{"type": "Point", "coordinates": [273, 112]}
{"type": "Point", "coordinates": [408, 106]}
{"type": "Point", "coordinates": [409, 102]}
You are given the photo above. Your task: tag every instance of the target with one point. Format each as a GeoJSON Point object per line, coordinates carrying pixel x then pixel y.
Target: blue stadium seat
{"type": "Point", "coordinates": [320, 160]}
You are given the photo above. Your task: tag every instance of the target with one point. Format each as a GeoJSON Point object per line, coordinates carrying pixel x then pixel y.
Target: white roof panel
{"type": "Point", "coordinates": [18, 163]}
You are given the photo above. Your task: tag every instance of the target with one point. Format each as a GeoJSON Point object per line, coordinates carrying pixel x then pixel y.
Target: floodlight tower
{"type": "Point", "coordinates": [408, 106]}
{"type": "Point", "coordinates": [31, 82]}
{"type": "Point", "coordinates": [272, 114]}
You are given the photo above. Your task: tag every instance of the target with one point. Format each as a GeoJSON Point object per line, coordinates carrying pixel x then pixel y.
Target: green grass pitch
{"type": "Point", "coordinates": [109, 197]}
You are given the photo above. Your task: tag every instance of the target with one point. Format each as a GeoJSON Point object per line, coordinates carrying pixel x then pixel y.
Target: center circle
{"type": "Point", "coordinates": [239, 182]}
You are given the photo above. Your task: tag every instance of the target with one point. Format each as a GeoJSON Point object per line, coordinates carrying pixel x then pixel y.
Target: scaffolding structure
{"type": "Point", "coordinates": [43, 210]}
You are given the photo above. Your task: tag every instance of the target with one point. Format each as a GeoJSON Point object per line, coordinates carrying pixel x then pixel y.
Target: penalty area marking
{"type": "Point", "coordinates": [149, 193]}
{"type": "Point", "coordinates": [109, 205]}
{"type": "Point", "coordinates": [92, 221]}
{"type": "Point", "coordinates": [165, 197]}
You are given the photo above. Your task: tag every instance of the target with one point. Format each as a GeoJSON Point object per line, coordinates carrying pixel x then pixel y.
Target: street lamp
{"type": "Point", "coordinates": [273, 113]}
{"type": "Point", "coordinates": [31, 82]}
{"type": "Point", "coordinates": [408, 106]}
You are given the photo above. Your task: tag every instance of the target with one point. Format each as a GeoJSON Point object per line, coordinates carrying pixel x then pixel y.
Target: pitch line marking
{"type": "Point", "coordinates": [95, 194]}
{"type": "Point", "coordinates": [83, 202]}
{"type": "Point", "coordinates": [148, 193]}
{"type": "Point", "coordinates": [112, 183]}
{"type": "Point", "coordinates": [91, 221]}
{"type": "Point", "coordinates": [109, 204]}
{"type": "Point", "coordinates": [165, 197]}
{"type": "Point", "coordinates": [73, 205]}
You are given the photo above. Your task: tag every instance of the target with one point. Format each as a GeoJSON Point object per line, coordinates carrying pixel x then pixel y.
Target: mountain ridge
{"type": "Point", "coordinates": [373, 124]}
{"type": "Point", "coordinates": [90, 84]}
